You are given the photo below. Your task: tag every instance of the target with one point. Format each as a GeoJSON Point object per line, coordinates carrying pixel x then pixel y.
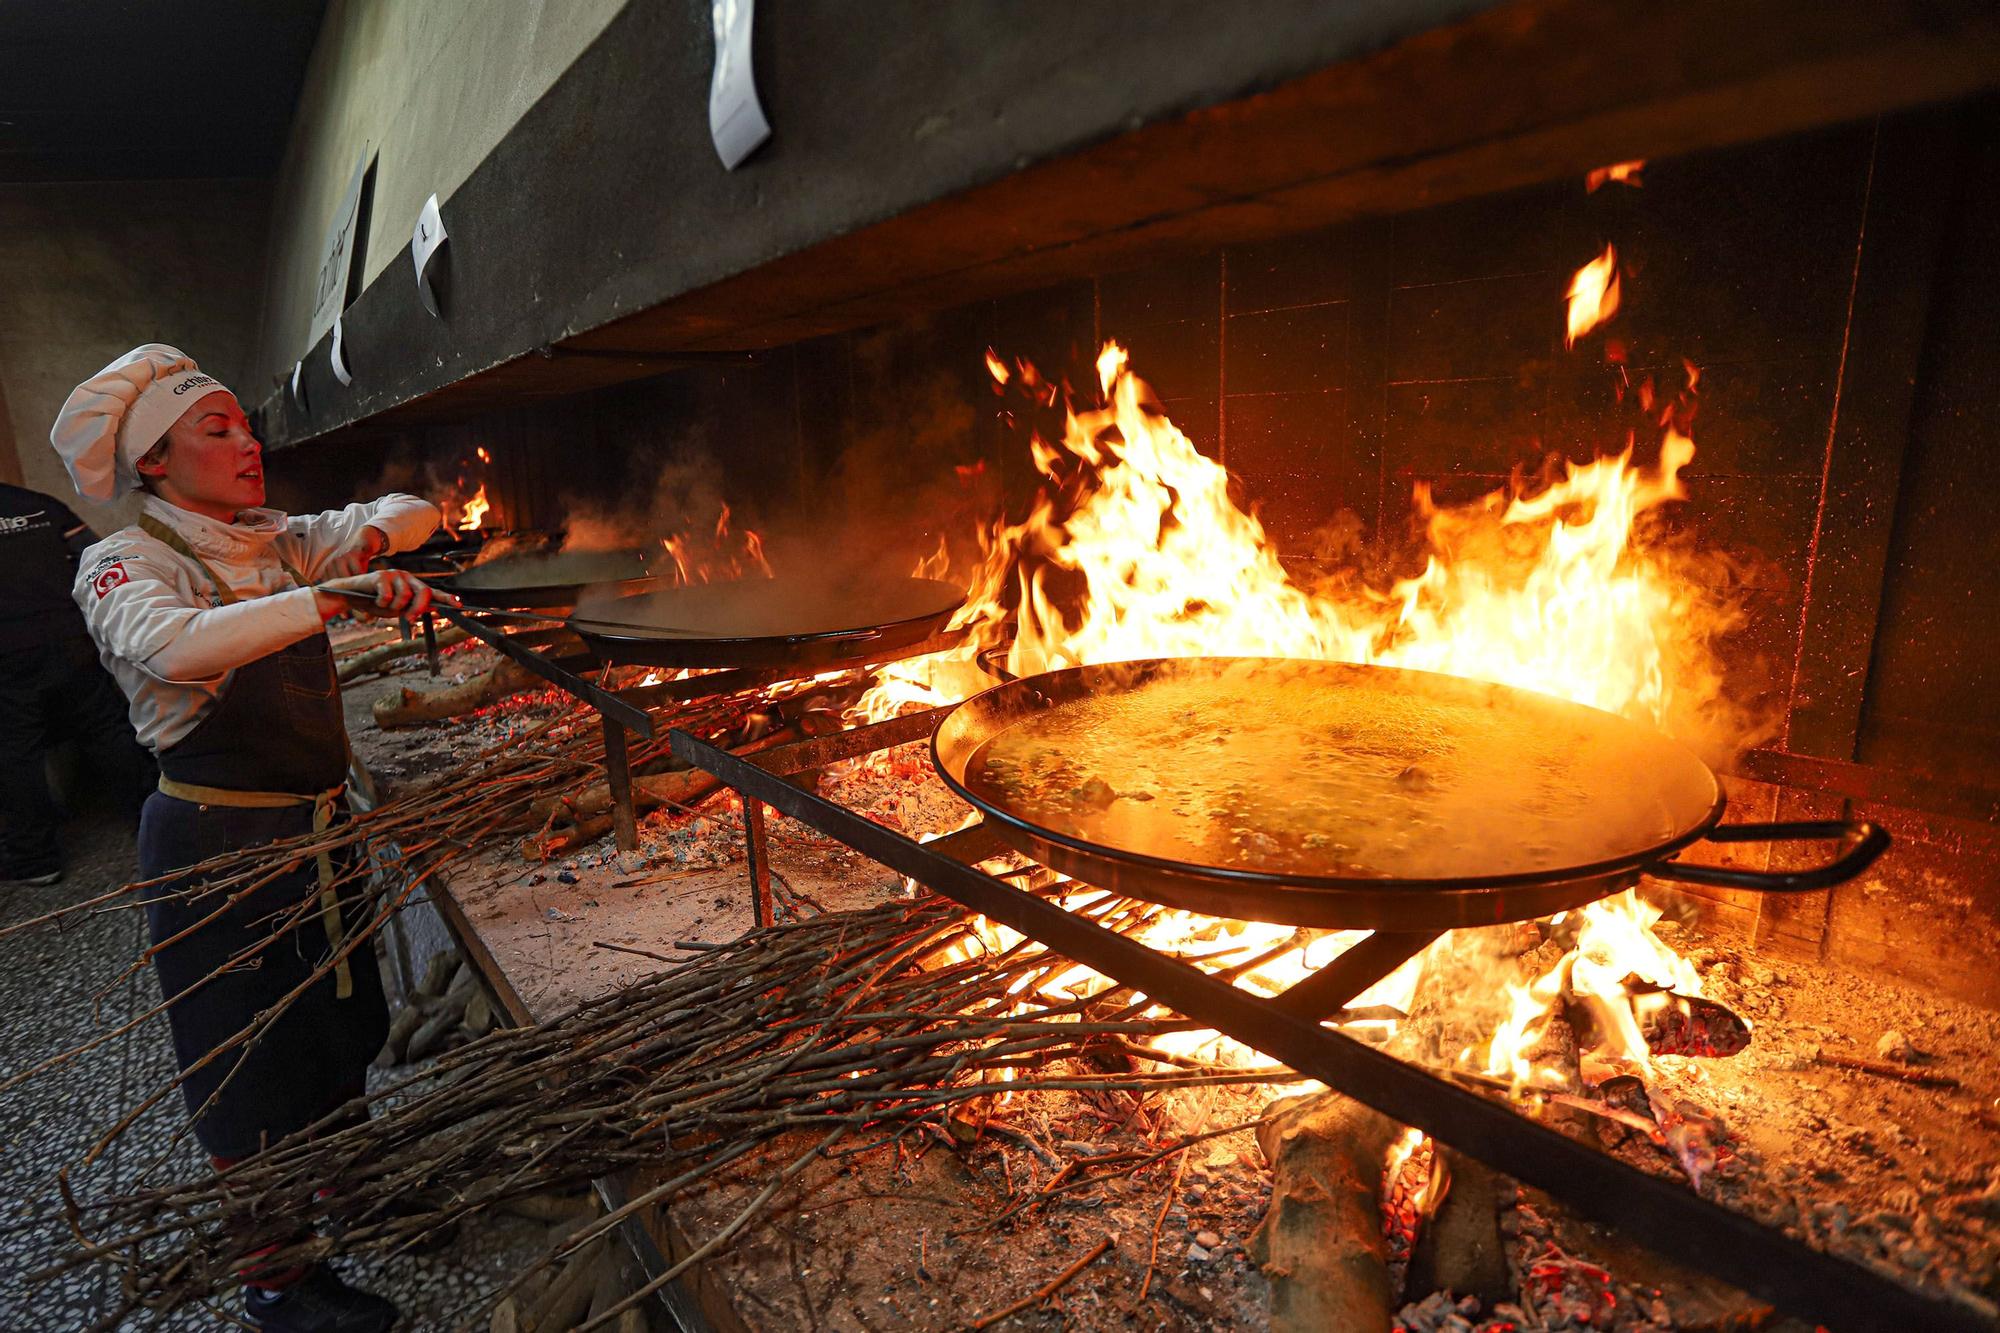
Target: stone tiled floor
{"type": "Point", "coordinates": [47, 985]}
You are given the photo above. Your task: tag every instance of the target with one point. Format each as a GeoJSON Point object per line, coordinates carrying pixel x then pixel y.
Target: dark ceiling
{"type": "Point", "coordinates": [149, 89]}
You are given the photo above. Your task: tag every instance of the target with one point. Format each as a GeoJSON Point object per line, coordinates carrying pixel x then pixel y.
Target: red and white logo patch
{"type": "Point", "coordinates": [110, 578]}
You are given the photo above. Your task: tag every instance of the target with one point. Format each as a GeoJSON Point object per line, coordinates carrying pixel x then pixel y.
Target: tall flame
{"type": "Point", "coordinates": [1134, 548]}
{"type": "Point", "coordinates": [1593, 294]}
{"type": "Point", "coordinates": [474, 513]}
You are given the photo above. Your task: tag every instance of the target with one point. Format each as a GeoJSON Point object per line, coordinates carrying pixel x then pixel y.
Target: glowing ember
{"type": "Point", "coordinates": [1593, 294]}
{"type": "Point", "coordinates": [1618, 173]}
{"type": "Point", "coordinates": [484, 457]}
{"type": "Point", "coordinates": [474, 513]}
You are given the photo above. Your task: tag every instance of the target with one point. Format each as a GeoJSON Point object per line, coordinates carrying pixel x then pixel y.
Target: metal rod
{"type": "Point", "coordinates": [1366, 963]}
{"type": "Point", "coordinates": [431, 643]}
{"type": "Point", "coordinates": [618, 780]}
{"type": "Point", "coordinates": [1658, 1213]}
{"type": "Point", "coordinates": [730, 681]}
{"type": "Point", "coordinates": [819, 751]}
{"type": "Point", "coordinates": [757, 853]}
{"type": "Point", "coordinates": [971, 844]}
{"type": "Point", "coordinates": [605, 702]}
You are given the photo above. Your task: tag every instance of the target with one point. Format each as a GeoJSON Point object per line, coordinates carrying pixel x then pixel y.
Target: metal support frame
{"type": "Point", "coordinates": [604, 701]}
{"type": "Point", "coordinates": [431, 644]}
{"type": "Point", "coordinates": [1656, 1212]}
{"type": "Point", "coordinates": [808, 756]}
{"type": "Point", "coordinates": [1327, 991]}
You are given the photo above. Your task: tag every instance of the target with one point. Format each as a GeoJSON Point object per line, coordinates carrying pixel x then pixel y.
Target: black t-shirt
{"type": "Point", "coordinates": [37, 568]}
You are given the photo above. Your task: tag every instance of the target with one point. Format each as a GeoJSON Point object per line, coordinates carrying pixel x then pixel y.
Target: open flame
{"type": "Point", "coordinates": [716, 557]}
{"type": "Point", "coordinates": [1134, 548]}
{"type": "Point", "coordinates": [1593, 294]}
{"type": "Point", "coordinates": [475, 509]}
{"type": "Point", "coordinates": [1618, 173]}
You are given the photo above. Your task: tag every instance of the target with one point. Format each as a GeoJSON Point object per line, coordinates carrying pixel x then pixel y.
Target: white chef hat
{"type": "Point", "coordinates": [113, 418]}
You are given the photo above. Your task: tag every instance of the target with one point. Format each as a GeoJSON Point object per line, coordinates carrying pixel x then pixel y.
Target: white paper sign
{"type": "Point", "coordinates": [339, 357]}
{"type": "Point", "coordinates": [425, 239]}
{"type": "Point", "coordinates": [336, 256]}
{"type": "Point", "coordinates": [735, 118]}
{"type": "Point", "coordinates": [298, 384]}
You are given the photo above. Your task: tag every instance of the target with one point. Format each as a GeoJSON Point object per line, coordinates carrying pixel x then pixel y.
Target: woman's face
{"type": "Point", "coordinates": [213, 464]}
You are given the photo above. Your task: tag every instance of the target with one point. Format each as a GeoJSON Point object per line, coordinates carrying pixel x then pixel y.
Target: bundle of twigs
{"type": "Point", "coordinates": [862, 1022]}
{"type": "Point", "coordinates": [384, 858]}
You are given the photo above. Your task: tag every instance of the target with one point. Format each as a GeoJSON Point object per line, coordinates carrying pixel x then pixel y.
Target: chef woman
{"type": "Point", "coordinates": [210, 613]}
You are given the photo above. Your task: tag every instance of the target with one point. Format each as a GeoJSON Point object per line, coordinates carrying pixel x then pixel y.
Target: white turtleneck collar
{"type": "Point", "coordinates": [252, 532]}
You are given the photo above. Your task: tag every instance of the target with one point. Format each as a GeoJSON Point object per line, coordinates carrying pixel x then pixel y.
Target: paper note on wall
{"type": "Point", "coordinates": [338, 356]}
{"type": "Point", "coordinates": [336, 258]}
{"type": "Point", "coordinates": [425, 239]}
{"type": "Point", "coordinates": [735, 118]}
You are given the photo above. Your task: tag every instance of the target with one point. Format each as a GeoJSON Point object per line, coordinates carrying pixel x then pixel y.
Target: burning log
{"type": "Point", "coordinates": [572, 820]}
{"type": "Point", "coordinates": [380, 657]}
{"type": "Point", "coordinates": [1321, 1243]}
{"type": "Point", "coordinates": [1460, 1249]}
{"type": "Point", "coordinates": [409, 708]}
{"type": "Point", "coordinates": [570, 825]}
{"type": "Point", "coordinates": [1668, 1022]}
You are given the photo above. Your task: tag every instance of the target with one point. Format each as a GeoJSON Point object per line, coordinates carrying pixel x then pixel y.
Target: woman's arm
{"type": "Point", "coordinates": [135, 609]}
{"type": "Point", "coordinates": [341, 541]}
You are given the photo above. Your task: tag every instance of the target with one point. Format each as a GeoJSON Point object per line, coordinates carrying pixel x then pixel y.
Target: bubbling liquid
{"type": "Point", "coordinates": [1310, 769]}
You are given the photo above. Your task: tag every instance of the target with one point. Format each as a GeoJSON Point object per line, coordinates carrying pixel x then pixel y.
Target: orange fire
{"type": "Point", "coordinates": [1136, 549]}
{"type": "Point", "coordinates": [717, 557]}
{"type": "Point", "coordinates": [474, 512]}
{"type": "Point", "coordinates": [1618, 173]}
{"type": "Point", "coordinates": [484, 457]}
{"type": "Point", "coordinates": [1593, 294]}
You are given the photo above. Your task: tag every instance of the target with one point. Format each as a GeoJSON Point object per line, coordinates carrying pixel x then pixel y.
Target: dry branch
{"type": "Point", "coordinates": [846, 1022]}
{"type": "Point", "coordinates": [378, 658]}
{"type": "Point", "coordinates": [409, 708]}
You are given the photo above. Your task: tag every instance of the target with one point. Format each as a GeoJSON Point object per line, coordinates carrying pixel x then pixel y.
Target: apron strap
{"type": "Point", "coordinates": [160, 531]}
{"type": "Point", "coordinates": [323, 806]}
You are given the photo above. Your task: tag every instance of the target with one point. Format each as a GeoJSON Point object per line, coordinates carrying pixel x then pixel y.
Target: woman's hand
{"type": "Point", "coordinates": [395, 593]}
{"type": "Point", "coordinates": [374, 542]}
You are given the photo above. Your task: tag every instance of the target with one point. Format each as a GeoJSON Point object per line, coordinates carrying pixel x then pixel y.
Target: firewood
{"type": "Point", "coordinates": [568, 1298]}
{"type": "Point", "coordinates": [506, 1318]}
{"type": "Point", "coordinates": [478, 1019]}
{"type": "Point", "coordinates": [1321, 1242]}
{"type": "Point", "coordinates": [429, 1038]}
{"type": "Point", "coordinates": [375, 659]}
{"type": "Point", "coordinates": [438, 973]}
{"type": "Point", "coordinates": [552, 1208]}
{"type": "Point", "coordinates": [632, 1321]}
{"type": "Point", "coordinates": [464, 985]}
{"type": "Point", "coordinates": [408, 707]}
{"type": "Point", "coordinates": [395, 1050]}
{"type": "Point", "coordinates": [1460, 1249]}
{"type": "Point", "coordinates": [611, 1286]}
{"type": "Point", "coordinates": [684, 787]}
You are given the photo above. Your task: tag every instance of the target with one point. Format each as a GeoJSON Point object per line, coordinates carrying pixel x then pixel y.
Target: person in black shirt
{"type": "Point", "coordinates": [51, 685]}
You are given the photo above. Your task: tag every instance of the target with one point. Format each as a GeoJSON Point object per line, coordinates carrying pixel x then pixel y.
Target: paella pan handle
{"type": "Point", "coordinates": [1865, 842]}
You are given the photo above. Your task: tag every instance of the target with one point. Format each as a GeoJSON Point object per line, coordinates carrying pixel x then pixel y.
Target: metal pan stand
{"type": "Point", "coordinates": [621, 711]}
{"type": "Point", "coordinates": [1662, 1214]}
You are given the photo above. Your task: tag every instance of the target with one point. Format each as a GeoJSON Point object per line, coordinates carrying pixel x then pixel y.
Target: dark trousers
{"type": "Point", "coordinates": [316, 1054]}
{"type": "Point", "coordinates": [49, 692]}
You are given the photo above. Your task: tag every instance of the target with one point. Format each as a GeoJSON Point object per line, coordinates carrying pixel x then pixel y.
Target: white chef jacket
{"type": "Point", "coordinates": [161, 626]}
